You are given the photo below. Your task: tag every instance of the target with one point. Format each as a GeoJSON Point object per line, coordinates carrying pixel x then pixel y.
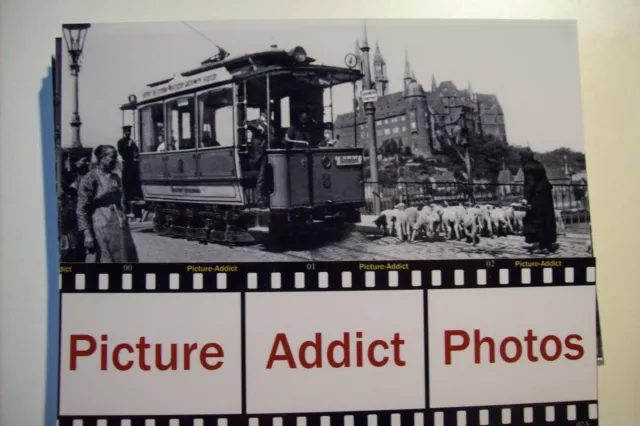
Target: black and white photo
{"type": "Point", "coordinates": [344, 140]}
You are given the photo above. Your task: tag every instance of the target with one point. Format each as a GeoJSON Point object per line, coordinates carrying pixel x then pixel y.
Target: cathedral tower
{"type": "Point", "coordinates": [380, 72]}
{"type": "Point", "coordinates": [418, 117]}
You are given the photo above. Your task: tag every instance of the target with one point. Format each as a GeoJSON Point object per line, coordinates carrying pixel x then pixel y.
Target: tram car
{"type": "Point", "coordinates": [199, 165]}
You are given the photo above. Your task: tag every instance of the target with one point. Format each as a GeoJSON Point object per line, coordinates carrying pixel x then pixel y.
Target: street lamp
{"type": "Point", "coordinates": [74, 37]}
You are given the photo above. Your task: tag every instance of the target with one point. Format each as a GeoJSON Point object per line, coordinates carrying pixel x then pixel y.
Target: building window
{"type": "Point", "coordinates": [404, 128]}
{"type": "Point", "coordinates": [379, 133]}
{"type": "Point", "coordinates": [386, 121]}
{"type": "Point", "coordinates": [387, 132]}
{"type": "Point", "coordinates": [413, 125]}
{"type": "Point", "coordinates": [396, 130]}
{"type": "Point", "coordinates": [378, 123]}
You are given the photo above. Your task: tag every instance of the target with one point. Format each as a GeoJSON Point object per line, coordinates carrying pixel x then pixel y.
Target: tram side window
{"type": "Point", "coordinates": [152, 127]}
{"type": "Point", "coordinates": [215, 110]}
{"type": "Point", "coordinates": [181, 124]}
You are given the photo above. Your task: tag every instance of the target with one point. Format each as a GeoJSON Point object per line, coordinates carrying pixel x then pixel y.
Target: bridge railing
{"type": "Point", "coordinates": [570, 199]}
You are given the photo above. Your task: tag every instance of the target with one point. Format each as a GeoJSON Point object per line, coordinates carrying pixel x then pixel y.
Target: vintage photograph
{"type": "Point", "coordinates": [310, 140]}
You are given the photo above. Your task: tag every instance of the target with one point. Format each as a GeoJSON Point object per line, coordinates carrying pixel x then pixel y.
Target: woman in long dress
{"type": "Point", "coordinates": [539, 221]}
{"type": "Point", "coordinates": [100, 212]}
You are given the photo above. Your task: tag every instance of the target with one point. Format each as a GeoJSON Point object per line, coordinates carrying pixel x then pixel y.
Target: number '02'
{"type": "Point", "coordinates": [127, 268]}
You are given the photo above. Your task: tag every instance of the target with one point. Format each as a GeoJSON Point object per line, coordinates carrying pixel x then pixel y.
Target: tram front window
{"type": "Point", "coordinates": [215, 109]}
{"type": "Point", "coordinates": [152, 127]}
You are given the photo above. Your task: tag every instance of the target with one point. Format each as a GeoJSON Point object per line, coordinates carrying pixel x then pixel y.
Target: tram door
{"type": "Point", "coordinates": [152, 137]}
{"type": "Point", "coordinates": [181, 129]}
{"type": "Point", "coordinates": [250, 101]}
{"type": "Point", "coordinates": [216, 159]}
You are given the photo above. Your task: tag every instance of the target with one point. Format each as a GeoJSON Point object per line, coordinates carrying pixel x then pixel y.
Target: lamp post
{"type": "Point", "coordinates": [74, 37]}
{"type": "Point", "coordinates": [370, 112]}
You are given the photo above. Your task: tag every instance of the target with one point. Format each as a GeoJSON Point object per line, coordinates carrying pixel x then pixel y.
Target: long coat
{"type": "Point", "coordinates": [539, 221]}
{"type": "Point", "coordinates": [130, 177]}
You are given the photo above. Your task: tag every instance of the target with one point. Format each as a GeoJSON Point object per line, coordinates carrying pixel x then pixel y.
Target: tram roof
{"type": "Point", "coordinates": [213, 72]}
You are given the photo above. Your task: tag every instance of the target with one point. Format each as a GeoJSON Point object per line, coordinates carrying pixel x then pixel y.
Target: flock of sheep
{"type": "Point", "coordinates": [459, 221]}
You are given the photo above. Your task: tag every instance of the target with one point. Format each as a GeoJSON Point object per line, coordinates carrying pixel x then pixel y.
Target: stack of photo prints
{"type": "Point", "coordinates": [314, 222]}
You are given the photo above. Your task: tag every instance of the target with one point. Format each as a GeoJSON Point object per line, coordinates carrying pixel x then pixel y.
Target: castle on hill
{"type": "Point", "coordinates": [415, 118]}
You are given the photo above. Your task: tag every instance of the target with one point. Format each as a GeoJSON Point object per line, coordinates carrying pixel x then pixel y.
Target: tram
{"type": "Point", "coordinates": [197, 162]}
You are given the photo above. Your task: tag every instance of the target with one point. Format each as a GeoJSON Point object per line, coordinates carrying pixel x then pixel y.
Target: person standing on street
{"type": "Point", "coordinates": [539, 221]}
{"type": "Point", "coordinates": [129, 151]}
{"type": "Point", "coordinates": [101, 218]}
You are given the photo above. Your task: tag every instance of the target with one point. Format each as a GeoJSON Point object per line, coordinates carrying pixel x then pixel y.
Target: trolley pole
{"type": "Point", "coordinates": [370, 113]}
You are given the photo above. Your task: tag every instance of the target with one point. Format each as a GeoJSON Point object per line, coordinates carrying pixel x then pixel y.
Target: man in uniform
{"type": "Point", "coordinates": [129, 151]}
{"type": "Point", "coordinates": [261, 132]}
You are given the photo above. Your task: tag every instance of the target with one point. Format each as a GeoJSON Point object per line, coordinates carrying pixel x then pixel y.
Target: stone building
{"type": "Point", "coordinates": [417, 118]}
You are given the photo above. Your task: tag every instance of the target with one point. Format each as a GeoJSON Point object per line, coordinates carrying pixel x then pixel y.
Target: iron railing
{"type": "Point", "coordinates": [570, 199]}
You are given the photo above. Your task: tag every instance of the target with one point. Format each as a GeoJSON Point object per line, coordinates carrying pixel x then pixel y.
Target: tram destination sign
{"type": "Point", "coordinates": [348, 160]}
{"type": "Point", "coordinates": [183, 84]}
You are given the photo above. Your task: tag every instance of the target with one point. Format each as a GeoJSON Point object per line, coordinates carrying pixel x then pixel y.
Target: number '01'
{"type": "Point", "coordinates": [311, 266]}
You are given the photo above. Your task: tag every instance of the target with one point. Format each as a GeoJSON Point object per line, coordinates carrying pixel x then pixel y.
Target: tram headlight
{"type": "Point", "coordinates": [299, 54]}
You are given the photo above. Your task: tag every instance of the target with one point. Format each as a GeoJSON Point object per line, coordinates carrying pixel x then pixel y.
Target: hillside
{"type": "Point", "coordinates": [487, 158]}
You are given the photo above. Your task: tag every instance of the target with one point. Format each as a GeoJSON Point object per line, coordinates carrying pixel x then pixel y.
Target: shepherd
{"type": "Point", "coordinates": [540, 220]}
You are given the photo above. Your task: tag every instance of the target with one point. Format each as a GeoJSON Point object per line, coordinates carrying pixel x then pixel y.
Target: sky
{"type": "Point", "coordinates": [531, 66]}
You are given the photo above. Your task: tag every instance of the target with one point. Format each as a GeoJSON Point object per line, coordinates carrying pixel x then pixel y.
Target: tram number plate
{"type": "Point", "coordinates": [349, 160]}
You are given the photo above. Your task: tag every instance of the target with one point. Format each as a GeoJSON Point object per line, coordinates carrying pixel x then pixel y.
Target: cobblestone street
{"type": "Point", "coordinates": [349, 246]}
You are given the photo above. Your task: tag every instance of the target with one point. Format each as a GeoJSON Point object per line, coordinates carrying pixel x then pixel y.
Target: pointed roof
{"type": "Point", "coordinates": [407, 66]}
{"type": "Point", "coordinates": [434, 86]}
{"type": "Point", "coordinates": [365, 42]}
{"type": "Point", "coordinates": [377, 58]}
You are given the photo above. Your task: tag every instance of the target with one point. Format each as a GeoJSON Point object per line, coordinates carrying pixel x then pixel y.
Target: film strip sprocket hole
{"type": "Point", "coordinates": [341, 276]}
{"type": "Point", "coordinates": [572, 413]}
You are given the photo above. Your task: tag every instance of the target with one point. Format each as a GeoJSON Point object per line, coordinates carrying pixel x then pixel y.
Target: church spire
{"type": "Point", "coordinates": [407, 70]}
{"type": "Point", "coordinates": [472, 95]}
{"type": "Point", "coordinates": [380, 72]}
{"type": "Point", "coordinates": [365, 42]}
{"type": "Point", "coordinates": [377, 58]}
{"type": "Point", "coordinates": [407, 66]}
{"type": "Point", "coordinates": [434, 86]}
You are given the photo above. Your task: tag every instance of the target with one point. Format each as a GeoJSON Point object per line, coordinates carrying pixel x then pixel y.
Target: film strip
{"type": "Point", "coordinates": [243, 279]}
{"type": "Point", "coordinates": [329, 276]}
{"type": "Point", "coordinates": [567, 413]}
